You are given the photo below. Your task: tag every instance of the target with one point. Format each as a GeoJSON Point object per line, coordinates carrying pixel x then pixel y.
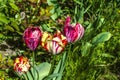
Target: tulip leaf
{"type": "Point", "coordinates": [85, 49]}
{"type": "Point", "coordinates": [102, 37]}
{"type": "Point", "coordinates": [50, 77]}
{"type": "Point", "coordinates": [25, 76]}
{"type": "Point", "coordinates": [57, 69]}
{"type": "Point", "coordinates": [43, 70]}
{"type": "Point", "coordinates": [29, 76]}
{"type": "Point", "coordinates": [60, 67]}
{"type": "Point", "coordinates": [34, 73]}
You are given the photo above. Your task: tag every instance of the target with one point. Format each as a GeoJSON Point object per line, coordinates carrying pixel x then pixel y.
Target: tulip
{"type": "Point", "coordinates": [53, 44]}
{"type": "Point", "coordinates": [21, 65]}
{"type": "Point", "coordinates": [32, 36]}
{"type": "Point", "coordinates": [73, 32]}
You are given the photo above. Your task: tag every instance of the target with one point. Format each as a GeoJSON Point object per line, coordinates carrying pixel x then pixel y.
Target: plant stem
{"type": "Point", "coordinates": [33, 65]}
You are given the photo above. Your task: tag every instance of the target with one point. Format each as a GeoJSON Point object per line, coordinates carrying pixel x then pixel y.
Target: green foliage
{"type": "Point", "coordinates": [105, 36]}
{"type": "Point", "coordinates": [38, 72]}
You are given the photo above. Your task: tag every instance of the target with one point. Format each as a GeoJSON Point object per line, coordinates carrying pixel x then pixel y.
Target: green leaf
{"type": "Point", "coordinates": [75, 49]}
{"type": "Point", "coordinates": [9, 28]}
{"type": "Point", "coordinates": [34, 73]}
{"type": "Point", "coordinates": [28, 74]}
{"type": "Point", "coordinates": [25, 76]}
{"type": "Point", "coordinates": [51, 2]}
{"type": "Point", "coordinates": [78, 2]}
{"type": "Point", "coordinates": [14, 24]}
{"type": "Point", "coordinates": [57, 69]}
{"type": "Point", "coordinates": [14, 6]}
{"type": "Point", "coordinates": [54, 16]}
{"type": "Point", "coordinates": [50, 77]}
{"type": "Point", "coordinates": [102, 37]}
{"type": "Point", "coordinates": [43, 70]}
{"type": "Point", "coordinates": [46, 28]}
{"type": "Point", "coordinates": [60, 67]}
{"type": "Point", "coordinates": [107, 55]}
{"type": "Point", "coordinates": [86, 49]}
{"type": "Point", "coordinates": [3, 18]}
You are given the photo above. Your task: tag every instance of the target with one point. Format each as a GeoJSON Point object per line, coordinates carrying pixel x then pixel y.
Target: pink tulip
{"type": "Point", "coordinates": [32, 36]}
{"type": "Point", "coordinates": [73, 33]}
{"type": "Point", "coordinates": [21, 65]}
{"type": "Point", "coordinates": [53, 44]}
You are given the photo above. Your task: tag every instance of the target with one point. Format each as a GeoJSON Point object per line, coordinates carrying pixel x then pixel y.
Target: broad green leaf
{"type": "Point", "coordinates": [85, 49]}
{"type": "Point", "coordinates": [102, 37]}
{"type": "Point", "coordinates": [43, 70]}
{"type": "Point", "coordinates": [14, 6]}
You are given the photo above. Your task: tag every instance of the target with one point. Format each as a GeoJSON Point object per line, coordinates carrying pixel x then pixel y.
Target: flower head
{"type": "Point", "coordinates": [32, 36]}
{"type": "Point", "coordinates": [73, 32]}
{"type": "Point", "coordinates": [21, 65]}
{"type": "Point", "coordinates": [53, 44]}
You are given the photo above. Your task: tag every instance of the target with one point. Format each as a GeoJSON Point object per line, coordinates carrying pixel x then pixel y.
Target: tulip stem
{"type": "Point", "coordinates": [33, 65]}
{"type": "Point", "coordinates": [68, 53]}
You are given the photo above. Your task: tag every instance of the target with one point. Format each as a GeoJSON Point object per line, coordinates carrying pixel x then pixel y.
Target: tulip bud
{"type": "Point", "coordinates": [53, 44]}
{"type": "Point", "coordinates": [32, 36]}
{"type": "Point", "coordinates": [21, 65]}
{"type": "Point", "coordinates": [73, 33]}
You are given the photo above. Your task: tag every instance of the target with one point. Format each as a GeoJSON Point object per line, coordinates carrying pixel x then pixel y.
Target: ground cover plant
{"type": "Point", "coordinates": [59, 40]}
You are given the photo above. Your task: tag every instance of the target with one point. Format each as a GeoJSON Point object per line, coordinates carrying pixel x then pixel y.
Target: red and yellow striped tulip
{"type": "Point", "coordinates": [54, 44]}
{"type": "Point", "coordinates": [21, 65]}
